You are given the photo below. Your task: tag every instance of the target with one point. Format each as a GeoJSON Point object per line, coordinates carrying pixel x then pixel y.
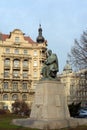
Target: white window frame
{"type": "Point", "coordinates": [35, 63]}
{"type": "Point", "coordinates": [35, 52]}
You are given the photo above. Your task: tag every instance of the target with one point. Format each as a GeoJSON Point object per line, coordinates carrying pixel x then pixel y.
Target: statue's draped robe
{"type": "Point", "coordinates": [50, 67]}
{"type": "Point", "coordinates": [52, 62]}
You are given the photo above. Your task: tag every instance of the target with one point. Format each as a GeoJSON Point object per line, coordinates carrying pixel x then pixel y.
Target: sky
{"type": "Point", "coordinates": [62, 21]}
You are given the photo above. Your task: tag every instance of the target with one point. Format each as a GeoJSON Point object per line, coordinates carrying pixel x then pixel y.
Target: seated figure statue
{"type": "Point", "coordinates": [50, 67]}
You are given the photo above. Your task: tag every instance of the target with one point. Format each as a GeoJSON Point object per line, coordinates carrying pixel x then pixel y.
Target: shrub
{"type": "Point", "coordinates": [74, 108]}
{"type": "Point", "coordinates": [2, 111]}
{"type": "Point", "coordinates": [21, 108]}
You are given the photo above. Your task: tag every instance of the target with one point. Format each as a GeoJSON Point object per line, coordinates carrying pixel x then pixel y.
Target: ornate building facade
{"type": "Point", "coordinates": [81, 90]}
{"type": "Point", "coordinates": [68, 78]}
{"type": "Point", "coordinates": [21, 61]}
{"type": "Point", "coordinates": [75, 85]}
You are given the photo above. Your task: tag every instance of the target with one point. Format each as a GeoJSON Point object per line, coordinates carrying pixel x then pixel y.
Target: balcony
{"type": "Point", "coordinates": [6, 66]}
{"type": "Point", "coordinates": [6, 76]}
{"type": "Point", "coordinates": [16, 55]}
{"type": "Point", "coordinates": [14, 90]}
{"type": "Point", "coordinates": [16, 67]}
{"type": "Point", "coordinates": [25, 68]}
{"type": "Point", "coordinates": [26, 78]}
{"type": "Point", "coordinates": [16, 77]}
{"type": "Point", "coordinates": [25, 90]}
{"type": "Point", "coordinates": [32, 90]}
{"type": "Point", "coordinates": [5, 90]}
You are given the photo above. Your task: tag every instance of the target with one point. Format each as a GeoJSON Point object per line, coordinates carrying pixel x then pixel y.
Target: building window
{"type": "Point", "coordinates": [24, 97]}
{"type": "Point", "coordinates": [7, 50]}
{"type": "Point", "coordinates": [25, 74]}
{"type": "Point", "coordinates": [17, 39]}
{"type": "Point", "coordinates": [35, 74]}
{"type": "Point", "coordinates": [15, 73]}
{"type": "Point", "coordinates": [15, 97]}
{"type": "Point", "coordinates": [6, 73]}
{"type": "Point", "coordinates": [5, 85]}
{"type": "Point", "coordinates": [5, 97]}
{"type": "Point", "coordinates": [25, 52]}
{"type": "Point", "coordinates": [25, 63]}
{"type": "Point", "coordinates": [16, 51]}
{"type": "Point", "coordinates": [35, 52]}
{"type": "Point", "coordinates": [35, 63]}
{"type": "Point", "coordinates": [16, 63]}
{"type": "Point", "coordinates": [24, 86]}
{"type": "Point", "coordinates": [15, 86]}
{"type": "Point", "coordinates": [7, 62]}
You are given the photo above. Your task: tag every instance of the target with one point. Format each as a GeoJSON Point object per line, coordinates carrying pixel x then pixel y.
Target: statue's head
{"type": "Point", "coordinates": [49, 52]}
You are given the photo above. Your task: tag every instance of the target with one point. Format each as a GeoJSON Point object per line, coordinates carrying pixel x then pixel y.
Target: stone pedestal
{"type": "Point", "coordinates": [50, 102]}
{"type": "Point", "coordinates": [49, 109]}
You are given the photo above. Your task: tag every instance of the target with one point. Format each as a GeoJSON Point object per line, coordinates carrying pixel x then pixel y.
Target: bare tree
{"type": "Point", "coordinates": [78, 54]}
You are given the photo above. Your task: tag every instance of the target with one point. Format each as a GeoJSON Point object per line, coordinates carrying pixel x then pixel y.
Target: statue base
{"type": "Point", "coordinates": [50, 101]}
{"type": "Point", "coordinates": [49, 109]}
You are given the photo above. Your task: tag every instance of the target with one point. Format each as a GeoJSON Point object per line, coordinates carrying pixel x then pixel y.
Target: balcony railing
{"type": "Point", "coordinates": [24, 90]}
{"type": "Point", "coordinates": [16, 67]}
{"type": "Point", "coordinates": [32, 90]}
{"type": "Point", "coordinates": [25, 68]}
{"type": "Point", "coordinates": [8, 90]}
{"type": "Point", "coordinates": [16, 55]}
{"type": "Point", "coordinates": [6, 76]}
{"type": "Point", "coordinates": [15, 90]}
{"type": "Point", "coordinates": [4, 90]}
{"type": "Point", "coordinates": [6, 66]}
{"type": "Point", "coordinates": [16, 77]}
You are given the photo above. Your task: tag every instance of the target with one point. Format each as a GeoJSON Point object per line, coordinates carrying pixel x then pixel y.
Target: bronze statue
{"type": "Point", "coordinates": [50, 67]}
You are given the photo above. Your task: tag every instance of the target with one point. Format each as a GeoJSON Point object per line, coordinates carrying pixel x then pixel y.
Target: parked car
{"type": "Point", "coordinates": [82, 113]}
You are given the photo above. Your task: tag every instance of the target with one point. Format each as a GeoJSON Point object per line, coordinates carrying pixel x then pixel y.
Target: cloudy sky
{"type": "Point", "coordinates": [62, 21]}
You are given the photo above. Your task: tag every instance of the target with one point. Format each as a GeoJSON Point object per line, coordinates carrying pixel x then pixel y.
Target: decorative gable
{"type": "Point", "coordinates": [17, 37]}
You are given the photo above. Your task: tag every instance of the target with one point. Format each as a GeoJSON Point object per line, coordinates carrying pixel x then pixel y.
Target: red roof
{"type": "Point", "coordinates": [5, 36]}
{"type": "Point", "coordinates": [27, 38]}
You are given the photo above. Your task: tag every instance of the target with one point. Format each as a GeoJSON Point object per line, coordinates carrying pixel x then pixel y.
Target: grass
{"type": "Point", "coordinates": [77, 128]}
{"type": "Point", "coordinates": [5, 124]}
